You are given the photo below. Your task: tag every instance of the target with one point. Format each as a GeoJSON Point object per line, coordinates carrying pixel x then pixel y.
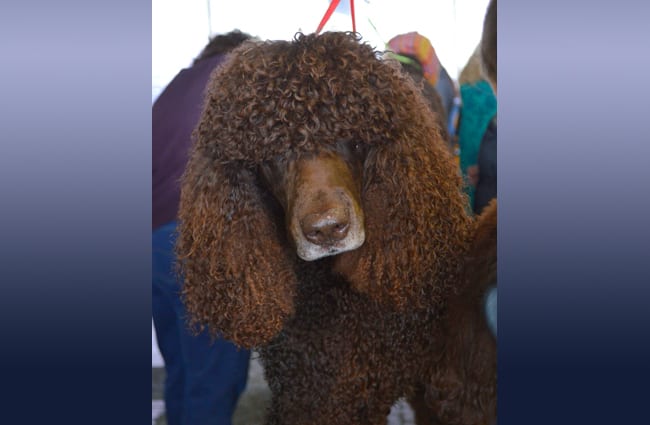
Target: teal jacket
{"type": "Point", "coordinates": [479, 106]}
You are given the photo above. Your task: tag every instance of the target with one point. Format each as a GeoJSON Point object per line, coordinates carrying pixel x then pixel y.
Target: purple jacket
{"type": "Point", "coordinates": [175, 114]}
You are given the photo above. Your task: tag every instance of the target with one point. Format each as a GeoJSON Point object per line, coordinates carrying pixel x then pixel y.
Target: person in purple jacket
{"type": "Point", "coordinates": [204, 377]}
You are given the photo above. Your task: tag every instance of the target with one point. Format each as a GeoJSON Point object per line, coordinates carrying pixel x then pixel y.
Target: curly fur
{"type": "Point", "coordinates": [341, 337]}
{"type": "Point", "coordinates": [429, 92]}
{"type": "Point", "coordinates": [463, 388]}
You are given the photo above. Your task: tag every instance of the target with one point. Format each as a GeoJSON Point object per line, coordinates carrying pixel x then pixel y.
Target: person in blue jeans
{"type": "Point", "coordinates": [486, 184]}
{"type": "Point", "coordinates": [489, 68]}
{"type": "Point", "coordinates": [205, 376]}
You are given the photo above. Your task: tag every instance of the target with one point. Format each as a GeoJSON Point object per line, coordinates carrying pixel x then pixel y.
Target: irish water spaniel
{"type": "Point", "coordinates": [322, 222]}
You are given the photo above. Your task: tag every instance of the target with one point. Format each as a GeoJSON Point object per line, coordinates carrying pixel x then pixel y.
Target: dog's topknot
{"type": "Point", "coordinates": [296, 95]}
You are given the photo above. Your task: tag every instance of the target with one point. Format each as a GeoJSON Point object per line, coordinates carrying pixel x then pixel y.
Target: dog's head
{"type": "Point", "coordinates": [312, 150]}
{"type": "Point", "coordinates": [320, 195]}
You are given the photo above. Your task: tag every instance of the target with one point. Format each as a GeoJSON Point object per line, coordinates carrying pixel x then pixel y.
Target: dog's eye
{"type": "Point", "coordinates": [351, 148]}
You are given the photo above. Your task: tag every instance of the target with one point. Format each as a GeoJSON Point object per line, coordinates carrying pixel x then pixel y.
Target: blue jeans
{"type": "Point", "coordinates": [204, 378]}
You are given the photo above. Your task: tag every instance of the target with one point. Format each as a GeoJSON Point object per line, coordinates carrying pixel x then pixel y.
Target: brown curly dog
{"type": "Point", "coordinates": [322, 222]}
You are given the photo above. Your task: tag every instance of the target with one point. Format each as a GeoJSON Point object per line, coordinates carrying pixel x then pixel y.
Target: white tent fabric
{"type": "Point", "coordinates": [180, 28]}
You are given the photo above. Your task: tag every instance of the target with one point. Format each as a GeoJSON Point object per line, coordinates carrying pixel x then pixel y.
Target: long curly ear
{"type": "Point", "coordinates": [416, 223]}
{"type": "Point", "coordinates": [238, 276]}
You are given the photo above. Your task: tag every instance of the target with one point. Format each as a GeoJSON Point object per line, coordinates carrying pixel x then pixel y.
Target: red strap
{"type": "Point", "coordinates": [328, 14]}
{"type": "Point", "coordinates": [330, 10]}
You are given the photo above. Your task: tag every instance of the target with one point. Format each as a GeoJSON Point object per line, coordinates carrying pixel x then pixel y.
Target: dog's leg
{"type": "Point", "coordinates": [329, 365]}
{"type": "Point", "coordinates": [424, 414]}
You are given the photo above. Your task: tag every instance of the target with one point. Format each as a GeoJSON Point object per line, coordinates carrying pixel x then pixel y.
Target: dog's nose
{"type": "Point", "coordinates": [326, 228]}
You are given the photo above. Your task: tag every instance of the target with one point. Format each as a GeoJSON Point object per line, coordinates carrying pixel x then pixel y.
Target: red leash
{"type": "Point", "coordinates": [330, 10]}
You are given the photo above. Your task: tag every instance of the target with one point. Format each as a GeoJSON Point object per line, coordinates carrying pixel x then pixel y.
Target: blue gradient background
{"type": "Point", "coordinates": [75, 162]}
{"type": "Point", "coordinates": [75, 179]}
{"type": "Point", "coordinates": [574, 146]}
